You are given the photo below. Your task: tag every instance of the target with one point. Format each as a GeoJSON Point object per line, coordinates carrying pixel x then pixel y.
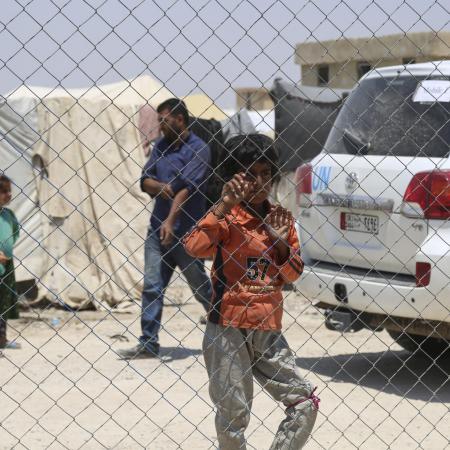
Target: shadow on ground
{"type": "Point", "coordinates": [393, 372]}
{"type": "Point", "coordinates": [175, 353]}
{"type": "Point", "coordinates": [167, 355]}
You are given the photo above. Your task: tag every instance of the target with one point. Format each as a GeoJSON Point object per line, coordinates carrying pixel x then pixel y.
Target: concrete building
{"type": "Point", "coordinates": [253, 98]}
{"type": "Point", "coordinates": [340, 63]}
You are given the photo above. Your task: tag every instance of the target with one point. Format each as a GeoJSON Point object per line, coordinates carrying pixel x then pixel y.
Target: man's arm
{"type": "Point", "coordinates": [149, 179]}
{"type": "Point", "coordinates": [177, 204]}
{"type": "Point", "coordinates": [166, 230]}
{"type": "Point", "coordinates": [154, 187]}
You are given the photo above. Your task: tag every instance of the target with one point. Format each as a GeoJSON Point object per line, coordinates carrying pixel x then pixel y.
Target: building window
{"type": "Point", "coordinates": [323, 75]}
{"type": "Point", "coordinates": [408, 61]}
{"type": "Point", "coordinates": [363, 68]}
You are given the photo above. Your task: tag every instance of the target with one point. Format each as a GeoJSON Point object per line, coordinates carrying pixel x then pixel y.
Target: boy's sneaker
{"type": "Point", "coordinates": [137, 352]}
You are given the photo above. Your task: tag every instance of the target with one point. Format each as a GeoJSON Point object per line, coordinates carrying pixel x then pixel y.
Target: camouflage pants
{"type": "Point", "coordinates": [233, 357]}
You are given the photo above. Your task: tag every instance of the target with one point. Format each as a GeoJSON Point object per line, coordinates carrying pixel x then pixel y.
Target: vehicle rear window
{"type": "Point", "coordinates": [380, 118]}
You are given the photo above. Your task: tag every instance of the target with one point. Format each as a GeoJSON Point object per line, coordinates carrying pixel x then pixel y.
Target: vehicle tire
{"type": "Point", "coordinates": [424, 345]}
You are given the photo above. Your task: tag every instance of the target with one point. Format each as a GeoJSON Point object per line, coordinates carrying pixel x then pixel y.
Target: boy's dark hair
{"type": "Point", "coordinates": [5, 183]}
{"type": "Point", "coordinates": [176, 106]}
{"type": "Point", "coordinates": [242, 151]}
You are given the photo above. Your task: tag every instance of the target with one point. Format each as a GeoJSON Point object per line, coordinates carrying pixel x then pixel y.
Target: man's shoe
{"type": "Point", "coordinates": [12, 345]}
{"type": "Point", "coordinates": [137, 352]}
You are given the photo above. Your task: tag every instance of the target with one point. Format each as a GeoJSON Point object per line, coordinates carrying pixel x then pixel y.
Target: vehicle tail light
{"type": "Point", "coordinates": [423, 274]}
{"type": "Point", "coordinates": [430, 191]}
{"type": "Point", "coordinates": [303, 181]}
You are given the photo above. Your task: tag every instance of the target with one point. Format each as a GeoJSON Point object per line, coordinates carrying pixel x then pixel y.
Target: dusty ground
{"type": "Point", "coordinates": [67, 388]}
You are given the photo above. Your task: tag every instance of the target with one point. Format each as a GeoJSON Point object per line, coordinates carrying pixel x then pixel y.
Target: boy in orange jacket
{"type": "Point", "coordinates": [255, 249]}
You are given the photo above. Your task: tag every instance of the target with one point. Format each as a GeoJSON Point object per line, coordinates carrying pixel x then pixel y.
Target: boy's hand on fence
{"type": "Point", "coordinates": [3, 258]}
{"type": "Point", "coordinates": [278, 223]}
{"type": "Point", "coordinates": [235, 190]}
{"type": "Point", "coordinates": [166, 233]}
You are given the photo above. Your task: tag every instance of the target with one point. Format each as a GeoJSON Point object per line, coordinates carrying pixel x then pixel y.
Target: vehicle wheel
{"type": "Point", "coordinates": [428, 346]}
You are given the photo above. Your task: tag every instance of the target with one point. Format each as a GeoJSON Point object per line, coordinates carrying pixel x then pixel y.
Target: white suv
{"type": "Point", "coordinates": [374, 209]}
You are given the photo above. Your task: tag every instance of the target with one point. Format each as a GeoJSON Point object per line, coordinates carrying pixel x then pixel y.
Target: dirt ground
{"type": "Point", "coordinates": [67, 389]}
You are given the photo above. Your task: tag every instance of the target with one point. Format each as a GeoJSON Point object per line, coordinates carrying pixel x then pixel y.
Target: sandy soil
{"type": "Point", "coordinates": [67, 389]}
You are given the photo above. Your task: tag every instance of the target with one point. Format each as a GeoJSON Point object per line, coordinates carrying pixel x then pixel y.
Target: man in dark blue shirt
{"type": "Point", "coordinates": [175, 177]}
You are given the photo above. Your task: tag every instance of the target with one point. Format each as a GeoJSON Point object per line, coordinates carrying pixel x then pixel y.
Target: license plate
{"type": "Point", "coordinates": [359, 222]}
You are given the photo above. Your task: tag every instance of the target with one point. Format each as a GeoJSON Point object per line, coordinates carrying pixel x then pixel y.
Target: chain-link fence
{"type": "Point", "coordinates": [122, 332]}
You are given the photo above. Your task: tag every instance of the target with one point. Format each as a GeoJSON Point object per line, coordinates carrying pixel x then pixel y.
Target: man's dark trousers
{"type": "Point", "coordinates": [160, 263]}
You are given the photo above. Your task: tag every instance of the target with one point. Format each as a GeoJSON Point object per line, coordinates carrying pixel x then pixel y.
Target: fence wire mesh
{"type": "Point", "coordinates": [105, 340]}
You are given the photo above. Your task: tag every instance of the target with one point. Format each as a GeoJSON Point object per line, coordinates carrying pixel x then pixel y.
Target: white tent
{"type": "Point", "coordinates": [18, 135]}
{"type": "Point", "coordinates": [263, 120]}
{"type": "Point", "coordinates": [141, 90]}
{"type": "Point", "coordinates": [75, 158]}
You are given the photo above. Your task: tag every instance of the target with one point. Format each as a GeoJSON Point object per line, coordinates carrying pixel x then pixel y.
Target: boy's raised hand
{"type": "Point", "coordinates": [235, 190]}
{"type": "Point", "coordinates": [278, 223]}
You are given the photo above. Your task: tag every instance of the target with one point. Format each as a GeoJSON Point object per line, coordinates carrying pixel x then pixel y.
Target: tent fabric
{"type": "Point", "coordinates": [139, 91]}
{"type": "Point", "coordinates": [201, 106]}
{"type": "Point", "coordinates": [18, 125]}
{"type": "Point", "coordinates": [237, 123]}
{"type": "Point", "coordinates": [304, 116]}
{"type": "Point", "coordinates": [96, 215]}
{"type": "Point", "coordinates": [76, 157]}
{"type": "Point", "coordinates": [264, 121]}
{"type": "Point", "coordinates": [148, 127]}
{"type": "Point", "coordinates": [316, 94]}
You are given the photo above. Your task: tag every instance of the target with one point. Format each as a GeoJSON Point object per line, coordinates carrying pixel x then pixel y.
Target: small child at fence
{"type": "Point", "coordinates": [255, 250]}
{"type": "Point", "coordinates": [9, 232]}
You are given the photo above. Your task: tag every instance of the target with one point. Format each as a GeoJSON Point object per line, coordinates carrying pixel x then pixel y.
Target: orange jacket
{"type": "Point", "coordinates": [247, 280]}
